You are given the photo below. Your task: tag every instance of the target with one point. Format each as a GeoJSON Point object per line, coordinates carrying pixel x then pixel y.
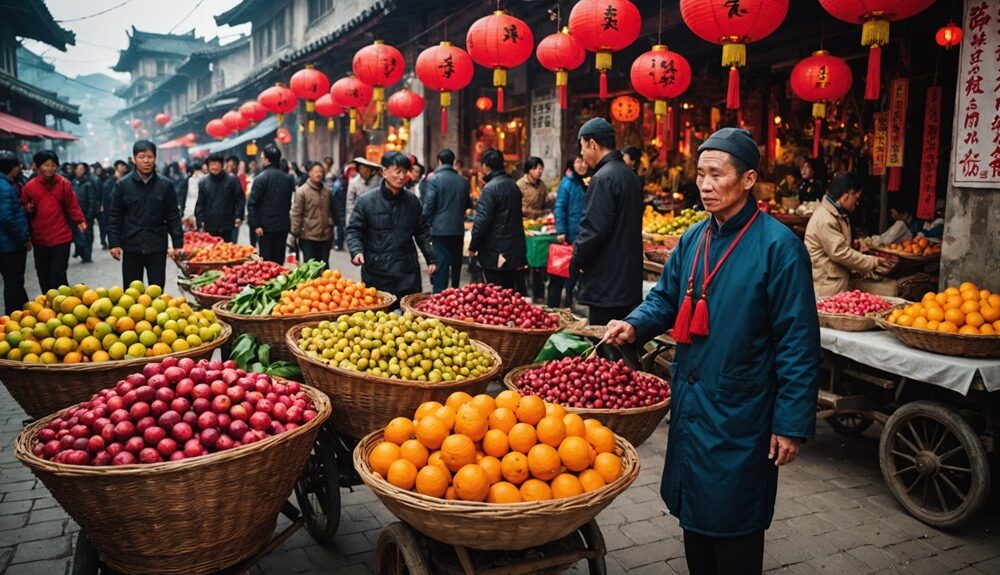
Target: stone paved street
{"type": "Point", "coordinates": [834, 514]}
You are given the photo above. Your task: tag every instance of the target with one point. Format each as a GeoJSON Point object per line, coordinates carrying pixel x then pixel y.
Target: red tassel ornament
{"type": "Point", "coordinates": [604, 85]}
{"type": "Point", "coordinates": [499, 98]}
{"type": "Point", "coordinates": [733, 93]}
{"type": "Point", "coordinates": [873, 81]}
{"type": "Point", "coordinates": [682, 325]}
{"type": "Point", "coordinates": [444, 121]}
{"type": "Point", "coordinates": [699, 324]}
{"type": "Point", "coordinates": [817, 130]}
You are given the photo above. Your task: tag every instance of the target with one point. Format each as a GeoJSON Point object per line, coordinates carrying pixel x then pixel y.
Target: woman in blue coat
{"type": "Point", "coordinates": [571, 198]}
{"type": "Point", "coordinates": [745, 372]}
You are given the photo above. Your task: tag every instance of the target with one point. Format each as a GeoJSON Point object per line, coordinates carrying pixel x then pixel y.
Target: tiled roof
{"type": "Point", "coordinates": [241, 13]}
{"type": "Point", "coordinates": [48, 100]}
{"type": "Point", "coordinates": [150, 42]}
{"type": "Point", "coordinates": [32, 19]}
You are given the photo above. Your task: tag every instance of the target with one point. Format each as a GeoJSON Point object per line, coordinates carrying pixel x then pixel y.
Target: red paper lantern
{"type": "Point", "coordinates": [874, 16]}
{"type": "Point", "coordinates": [625, 109]}
{"type": "Point", "coordinates": [604, 26]}
{"type": "Point", "coordinates": [327, 107]}
{"type": "Point", "coordinates": [821, 78]}
{"type": "Point", "coordinates": [162, 119]}
{"type": "Point", "coordinates": [499, 41]}
{"type": "Point", "coordinates": [253, 111]}
{"type": "Point", "coordinates": [136, 124]}
{"type": "Point", "coordinates": [143, 133]}
{"type": "Point", "coordinates": [949, 36]}
{"type": "Point", "coordinates": [661, 75]}
{"type": "Point", "coordinates": [406, 105]}
{"type": "Point", "coordinates": [278, 99]}
{"type": "Point", "coordinates": [351, 93]}
{"type": "Point", "coordinates": [235, 121]}
{"type": "Point", "coordinates": [217, 129]}
{"type": "Point", "coordinates": [444, 68]}
{"type": "Point", "coordinates": [379, 65]}
{"type": "Point", "coordinates": [284, 136]}
{"type": "Point", "coordinates": [560, 53]}
{"type": "Point", "coordinates": [484, 104]}
{"type": "Point", "coordinates": [309, 84]}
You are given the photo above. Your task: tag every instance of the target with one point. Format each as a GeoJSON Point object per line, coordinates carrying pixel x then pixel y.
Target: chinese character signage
{"type": "Point", "coordinates": [898, 94]}
{"type": "Point", "coordinates": [977, 105]}
{"type": "Point", "coordinates": [929, 157]}
{"type": "Point", "coordinates": [880, 143]}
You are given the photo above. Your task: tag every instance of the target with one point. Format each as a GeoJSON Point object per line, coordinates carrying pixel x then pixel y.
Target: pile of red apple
{"type": "Point", "coordinates": [176, 409]}
{"type": "Point", "coordinates": [194, 240]}
{"type": "Point", "coordinates": [488, 304]}
{"type": "Point", "coordinates": [592, 383]}
{"type": "Point", "coordinates": [855, 302]}
{"type": "Point", "coordinates": [234, 278]}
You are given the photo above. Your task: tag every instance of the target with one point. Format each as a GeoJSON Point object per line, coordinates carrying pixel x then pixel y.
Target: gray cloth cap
{"type": "Point", "coordinates": [596, 127]}
{"type": "Point", "coordinates": [737, 142]}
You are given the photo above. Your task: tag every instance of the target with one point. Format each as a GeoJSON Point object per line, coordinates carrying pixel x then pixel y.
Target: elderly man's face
{"type": "Point", "coordinates": [722, 188]}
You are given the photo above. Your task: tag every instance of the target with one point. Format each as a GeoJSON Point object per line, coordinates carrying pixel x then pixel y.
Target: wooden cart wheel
{"type": "Point", "coordinates": [398, 552]}
{"type": "Point", "coordinates": [849, 423]}
{"type": "Point", "coordinates": [318, 488]}
{"type": "Point", "coordinates": [594, 539]}
{"type": "Point", "coordinates": [934, 464]}
{"type": "Point", "coordinates": [86, 558]}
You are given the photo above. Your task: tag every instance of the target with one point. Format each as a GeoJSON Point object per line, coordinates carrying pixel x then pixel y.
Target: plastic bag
{"type": "Point", "coordinates": [560, 256]}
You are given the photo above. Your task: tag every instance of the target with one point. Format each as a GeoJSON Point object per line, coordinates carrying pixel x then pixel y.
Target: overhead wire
{"type": "Point", "coordinates": [95, 14]}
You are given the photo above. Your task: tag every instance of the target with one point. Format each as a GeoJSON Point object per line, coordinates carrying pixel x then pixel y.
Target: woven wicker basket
{"type": "Point", "coordinates": [363, 403]}
{"type": "Point", "coordinates": [183, 517]}
{"type": "Point", "coordinates": [271, 329]}
{"type": "Point", "coordinates": [41, 389]}
{"type": "Point", "coordinates": [192, 269]}
{"type": "Point", "coordinates": [516, 346]}
{"type": "Point", "coordinates": [635, 425]}
{"type": "Point", "coordinates": [206, 301]}
{"type": "Point", "coordinates": [847, 322]}
{"type": "Point", "coordinates": [944, 343]}
{"type": "Point", "coordinates": [491, 526]}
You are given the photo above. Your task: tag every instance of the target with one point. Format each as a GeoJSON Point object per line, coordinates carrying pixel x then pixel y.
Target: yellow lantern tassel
{"type": "Point", "coordinates": [603, 61]}
{"type": "Point", "coordinates": [281, 119]}
{"type": "Point", "coordinates": [734, 54]}
{"type": "Point", "coordinates": [329, 124]}
{"type": "Point", "coordinates": [875, 31]}
{"type": "Point", "coordinates": [819, 110]}
{"type": "Point", "coordinates": [310, 106]}
{"type": "Point", "coordinates": [312, 125]}
{"type": "Point", "coordinates": [354, 120]}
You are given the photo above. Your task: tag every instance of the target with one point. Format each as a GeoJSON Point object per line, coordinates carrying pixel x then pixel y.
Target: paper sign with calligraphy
{"type": "Point", "coordinates": [929, 157]}
{"type": "Point", "coordinates": [880, 143]}
{"type": "Point", "coordinates": [977, 105]}
{"type": "Point", "coordinates": [899, 93]}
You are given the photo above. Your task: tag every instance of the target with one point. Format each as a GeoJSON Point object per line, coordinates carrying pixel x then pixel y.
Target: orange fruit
{"type": "Point", "coordinates": [495, 443]}
{"type": "Point", "coordinates": [608, 465]}
{"type": "Point", "coordinates": [436, 459]}
{"type": "Point", "coordinates": [508, 399]}
{"type": "Point", "coordinates": [591, 423]}
{"type": "Point", "coordinates": [974, 319]}
{"type": "Point", "coordinates": [941, 298]}
{"type": "Point", "coordinates": [471, 483]}
{"type": "Point", "coordinates": [952, 291]}
{"type": "Point", "coordinates": [503, 419]}
{"type": "Point", "coordinates": [544, 462]}
{"type": "Point", "coordinates": [920, 323]}
{"type": "Point", "coordinates": [399, 430]}
{"type": "Point", "coordinates": [426, 408]}
{"type": "Point", "coordinates": [968, 330]}
{"type": "Point", "coordinates": [996, 325]}
{"type": "Point", "coordinates": [970, 306]}
{"type": "Point", "coordinates": [431, 431]}
{"type": "Point", "coordinates": [574, 425]}
{"type": "Point", "coordinates": [994, 300]}
{"type": "Point", "coordinates": [551, 430]}
{"type": "Point", "coordinates": [522, 437]}
{"type": "Point", "coordinates": [990, 313]}
{"type": "Point", "coordinates": [954, 302]}
{"type": "Point", "coordinates": [928, 297]}
{"type": "Point", "coordinates": [433, 480]}
{"type": "Point", "coordinates": [566, 485]}
{"type": "Point", "coordinates": [485, 404]}
{"type": "Point", "coordinates": [917, 310]}
{"type": "Point", "coordinates": [493, 468]}
{"type": "Point", "coordinates": [933, 325]}
{"type": "Point", "coordinates": [470, 421]}
{"type": "Point", "coordinates": [602, 439]}
{"type": "Point", "coordinates": [450, 494]}
{"type": "Point", "coordinates": [935, 314]}
{"type": "Point", "coordinates": [382, 457]}
{"type": "Point", "coordinates": [514, 467]}
{"type": "Point", "coordinates": [955, 316]}
{"type": "Point", "coordinates": [591, 480]}
{"type": "Point", "coordinates": [555, 410]}
{"type": "Point", "coordinates": [457, 400]}
{"type": "Point", "coordinates": [415, 452]}
{"type": "Point", "coordinates": [985, 329]}
{"type": "Point", "coordinates": [504, 492]}
{"type": "Point", "coordinates": [967, 286]}
{"type": "Point", "coordinates": [905, 320]}
{"type": "Point", "coordinates": [402, 473]}
{"type": "Point", "coordinates": [447, 416]}
{"type": "Point", "coordinates": [984, 295]}
{"type": "Point", "coordinates": [576, 453]}
{"type": "Point", "coordinates": [530, 410]}
{"type": "Point", "coordinates": [457, 451]}
{"type": "Point", "coordinates": [535, 490]}
{"type": "Point", "coordinates": [947, 327]}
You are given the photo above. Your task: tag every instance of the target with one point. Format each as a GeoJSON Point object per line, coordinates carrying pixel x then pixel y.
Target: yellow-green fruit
{"type": "Point", "coordinates": [69, 319]}
{"type": "Point", "coordinates": [51, 295]}
{"type": "Point", "coordinates": [102, 292]}
{"type": "Point", "coordinates": [147, 338]}
{"type": "Point", "coordinates": [118, 350]}
{"type": "Point", "coordinates": [14, 354]}
{"type": "Point", "coordinates": [48, 343]}
{"type": "Point", "coordinates": [159, 305]}
{"type": "Point", "coordinates": [102, 329]}
{"type": "Point", "coordinates": [80, 332]}
{"type": "Point", "coordinates": [180, 345]}
{"type": "Point", "coordinates": [137, 286]}
{"type": "Point", "coordinates": [28, 346]}
{"type": "Point", "coordinates": [134, 294]}
{"type": "Point", "coordinates": [154, 291]}
{"type": "Point", "coordinates": [151, 314]}
{"type": "Point", "coordinates": [143, 326]}
{"type": "Point", "coordinates": [64, 345]}
{"type": "Point", "coordinates": [28, 321]}
{"type": "Point", "coordinates": [4, 348]}
{"type": "Point", "coordinates": [65, 290]}
{"type": "Point", "coordinates": [14, 338]}
{"type": "Point", "coordinates": [126, 301]}
{"type": "Point", "coordinates": [80, 289]}
{"type": "Point", "coordinates": [49, 357]}
{"type": "Point", "coordinates": [108, 341]}
{"type": "Point", "coordinates": [118, 311]}
{"type": "Point", "coordinates": [137, 312]}
{"type": "Point", "coordinates": [193, 340]}
{"type": "Point", "coordinates": [69, 304]}
{"type": "Point", "coordinates": [102, 307]}
{"type": "Point", "coordinates": [168, 336]}
{"type": "Point", "coordinates": [129, 337]}
{"type": "Point", "coordinates": [53, 324]}
{"type": "Point", "coordinates": [41, 331]}
{"type": "Point", "coordinates": [81, 312]}
{"type": "Point", "coordinates": [31, 358]}
{"type": "Point", "coordinates": [89, 345]}
{"type": "Point", "coordinates": [62, 331]}
{"type": "Point", "coordinates": [115, 293]}
{"type": "Point", "coordinates": [137, 350]}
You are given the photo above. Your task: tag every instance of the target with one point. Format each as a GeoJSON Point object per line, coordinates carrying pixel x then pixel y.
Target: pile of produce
{"type": "Point", "coordinates": [653, 222]}
{"type": "Point", "coordinates": [536, 224]}
{"type": "Point", "coordinates": [915, 247]}
{"type": "Point", "coordinates": [262, 299]}
{"type": "Point", "coordinates": [80, 324]}
{"type": "Point", "coordinates": [854, 302]}
{"type": "Point", "coordinates": [196, 240]}
{"type": "Point", "coordinates": [488, 304]}
{"type": "Point", "coordinates": [232, 279]}
{"type": "Point", "coordinates": [592, 383]}
{"type": "Point", "coordinates": [504, 450]}
{"type": "Point", "coordinates": [220, 252]}
{"type": "Point", "coordinates": [176, 409]}
{"type": "Point", "coordinates": [251, 355]}
{"type": "Point", "coordinates": [966, 309]}
{"type": "Point", "coordinates": [329, 292]}
{"type": "Point", "coordinates": [404, 347]}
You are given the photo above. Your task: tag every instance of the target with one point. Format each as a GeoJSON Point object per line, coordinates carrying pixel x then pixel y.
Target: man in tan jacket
{"type": "Point", "coordinates": [828, 240]}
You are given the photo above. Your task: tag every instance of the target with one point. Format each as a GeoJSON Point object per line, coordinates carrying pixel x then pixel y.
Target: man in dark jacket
{"type": "Point", "coordinates": [385, 224]}
{"type": "Point", "coordinates": [219, 209]}
{"type": "Point", "coordinates": [14, 238]}
{"type": "Point", "coordinates": [498, 228]}
{"type": "Point", "coordinates": [339, 191]}
{"type": "Point", "coordinates": [269, 207]}
{"type": "Point", "coordinates": [608, 250]}
{"type": "Point", "coordinates": [107, 193]}
{"type": "Point", "coordinates": [89, 200]}
{"type": "Point", "coordinates": [143, 213]}
{"type": "Point", "coordinates": [445, 201]}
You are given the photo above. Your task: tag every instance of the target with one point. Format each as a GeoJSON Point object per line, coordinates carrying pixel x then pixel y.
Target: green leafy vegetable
{"type": "Point", "coordinates": [261, 300]}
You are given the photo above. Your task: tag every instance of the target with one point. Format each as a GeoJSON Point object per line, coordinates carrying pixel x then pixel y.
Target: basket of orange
{"type": "Point", "coordinates": [918, 248]}
{"type": "Point", "coordinates": [202, 258]}
{"type": "Point", "coordinates": [498, 474]}
{"type": "Point", "coordinates": [963, 321]}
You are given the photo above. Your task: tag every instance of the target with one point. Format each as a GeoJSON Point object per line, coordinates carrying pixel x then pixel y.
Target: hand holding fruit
{"type": "Point", "coordinates": [619, 332]}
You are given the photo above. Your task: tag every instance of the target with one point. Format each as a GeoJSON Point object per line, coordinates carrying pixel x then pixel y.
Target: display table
{"type": "Point", "coordinates": [880, 350]}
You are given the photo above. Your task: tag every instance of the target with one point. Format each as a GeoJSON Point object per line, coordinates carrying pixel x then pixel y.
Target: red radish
{"type": "Point", "coordinates": [182, 432]}
{"type": "Point", "coordinates": [149, 455]}
{"type": "Point", "coordinates": [123, 458]}
{"type": "Point", "coordinates": [134, 445]}
{"type": "Point", "coordinates": [166, 447]}
{"type": "Point", "coordinates": [153, 435]}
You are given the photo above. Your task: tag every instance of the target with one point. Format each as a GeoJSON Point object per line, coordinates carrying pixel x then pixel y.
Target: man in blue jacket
{"type": "Point", "coordinates": [445, 202]}
{"type": "Point", "coordinates": [745, 373]}
{"type": "Point", "coordinates": [14, 239]}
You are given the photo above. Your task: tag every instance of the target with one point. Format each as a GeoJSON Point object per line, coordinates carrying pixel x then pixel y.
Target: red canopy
{"type": "Point", "coordinates": [12, 126]}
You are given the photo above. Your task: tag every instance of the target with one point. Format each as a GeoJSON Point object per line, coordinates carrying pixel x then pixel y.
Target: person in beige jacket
{"type": "Point", "coordinates": [312, 216]}
{"type": "Point", "coordinates": [828, 240]}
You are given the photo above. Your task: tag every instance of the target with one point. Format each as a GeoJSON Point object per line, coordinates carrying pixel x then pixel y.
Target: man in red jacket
{"type": "Point", "coordinates": [51, 206]}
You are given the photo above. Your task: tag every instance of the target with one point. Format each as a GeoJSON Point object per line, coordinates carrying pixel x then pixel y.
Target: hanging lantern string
{"type": "Point", "coordinates": [659, 29]}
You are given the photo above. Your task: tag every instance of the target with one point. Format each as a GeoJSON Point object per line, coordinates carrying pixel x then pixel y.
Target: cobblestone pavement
{"type": "Point", "coordinates": [834, 513]}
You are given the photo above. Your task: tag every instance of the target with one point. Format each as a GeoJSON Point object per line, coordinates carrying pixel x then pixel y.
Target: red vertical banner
{"type": "Point", "coordinates": [668, 131]}
{"type": "Point", "coordinates": [880, 143]}
{"type": "Point", "coordinates": [898, 96]}
{"type": "Point", "coordinates": [929, 156]}
{"type": "Point", "coordinates": [772, 136]}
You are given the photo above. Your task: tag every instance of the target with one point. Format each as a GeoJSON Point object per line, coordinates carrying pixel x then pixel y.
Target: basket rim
{"type": "Point", "coordinates": [906, 256]}
{"type": "Point", "coordinates": [509, 379]}
{"type": "Point", "coordinates": [631, 465]}
{"type": "Point", "coordinates": [409, 302]}
{"type": "Point", "coordinates": [956, 337]}
{"type": "Point", "coordinates": [24, 454]}
{"type": "Point", "coordinates": [224, 336]}
{"type": "Point", "coordinates": [220, 308]}
{"type": "Point", "coordinates": [293, 346]}
{"type": "Point", "coordinates": [891, 300]}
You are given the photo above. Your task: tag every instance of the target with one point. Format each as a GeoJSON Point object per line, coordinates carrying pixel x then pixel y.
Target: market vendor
{"type": "Point", "coordinates": [745, 378]}
{"type": "Point", "coordinates": [828, 240]}
{"type": "Point", "coordinates": [905, 227]}
{"type": "Point", "coordinates": [811, 185]}
{"type": "Point", "coordinates": [534, 193]}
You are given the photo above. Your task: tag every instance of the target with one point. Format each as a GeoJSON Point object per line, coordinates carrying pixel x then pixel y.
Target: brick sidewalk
{"type": "Point", "coordinates": [834, 513]}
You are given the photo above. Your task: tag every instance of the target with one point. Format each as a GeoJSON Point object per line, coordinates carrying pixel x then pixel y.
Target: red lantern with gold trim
{"type": "Point", "coordinates": [821, 78]}
{"type": "Point", "coordinates": [136, 124]}
{"type": "Point", "coordinates": [406, 104]}
{"type": "Point", "coordinates": [604, 26]}
{"type": "Point", "coordinates": [162, 119]}
{"type": "Point", "coordinates": [278, 99]}
{"type": "Point", "coordinates": [499, 41]}
{"type": "Point", "coordinates": [874, 17]}
{"type": "Point", "coordinates": [283, 136]}
{"type": "Point", "coordinates": [949, 36]}
{"type": "Point", "coordinates": [309, 84]}
{"type": "Point", "coordinates": [560, 53]}
{"type": "Point", "coordinates": [625, 109]}
{"type": "Point", "coordinates": [661, 75]}
{"type": "Point", "coordinates": [217, 129]}
{"type": "Point", "coordinates": [379, 65]}
{"type": "Point", "coordinates": [235, 121]}
{"type": "Point", "coordinates": [484, 104]}
{"type": "Point", "coordinates": [444, 68]}
{"type": "Point", "coordinates": [353, 94]}
{"type": "Point", "coordinates": [328, 108]}
{"type": "Point", "coordinates": [253, 111]}
{"type": "Point", "coordinates": [734, 25]}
